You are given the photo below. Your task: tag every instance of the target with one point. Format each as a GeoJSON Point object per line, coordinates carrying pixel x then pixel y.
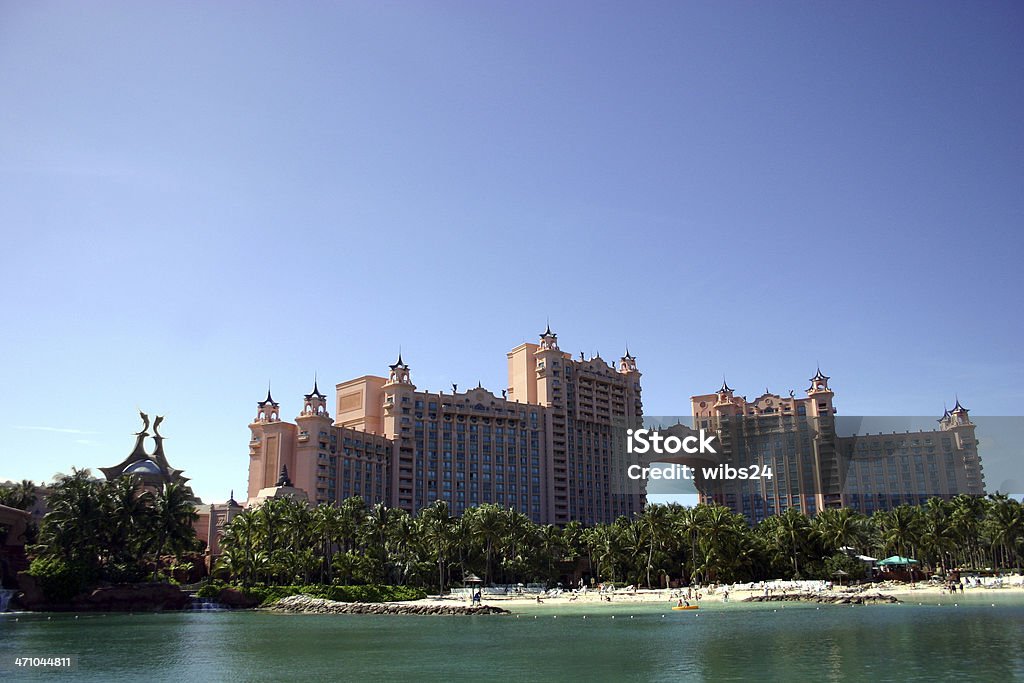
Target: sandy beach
{"type": "Point", "coordinates": [1011, 585]}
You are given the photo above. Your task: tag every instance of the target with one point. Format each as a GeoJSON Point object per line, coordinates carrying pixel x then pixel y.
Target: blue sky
{"type": "Point", "coordinates": [198, 197]}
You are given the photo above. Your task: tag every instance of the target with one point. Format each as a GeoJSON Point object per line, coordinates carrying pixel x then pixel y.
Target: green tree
{"type": "Point", "coordinates": [437, 529]}
{"type": "Point", "coordinates": [794, 530]}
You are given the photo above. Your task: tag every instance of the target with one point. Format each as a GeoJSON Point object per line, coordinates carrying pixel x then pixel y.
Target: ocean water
{"type": "Point", "coordinates": [972, 640]}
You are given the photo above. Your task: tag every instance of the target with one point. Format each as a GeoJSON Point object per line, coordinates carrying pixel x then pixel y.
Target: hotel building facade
{"type": "Point", "coordinates": [551, 445]}
{"type": "Point", "coordinates": [814, 468]}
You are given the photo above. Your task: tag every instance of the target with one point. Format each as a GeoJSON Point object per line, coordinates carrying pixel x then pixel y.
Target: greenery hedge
{"type": "Point", "coordinates": [59, 580]}
{"type": "Point", "coordinates": [268, 595]}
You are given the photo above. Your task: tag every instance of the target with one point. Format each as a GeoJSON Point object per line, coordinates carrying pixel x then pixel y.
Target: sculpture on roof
{"type": "Point", "coordinates": [152, 468]}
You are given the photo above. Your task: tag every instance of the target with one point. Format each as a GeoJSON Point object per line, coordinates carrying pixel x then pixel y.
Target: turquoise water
{"type": "Point", "coordinates": [908, 642]}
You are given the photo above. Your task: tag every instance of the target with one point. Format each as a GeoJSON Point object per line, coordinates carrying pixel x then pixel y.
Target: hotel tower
{"type": "Point", "coordinates": [551, 445]}
{"type": "Point", "coordinates": [814, 467]}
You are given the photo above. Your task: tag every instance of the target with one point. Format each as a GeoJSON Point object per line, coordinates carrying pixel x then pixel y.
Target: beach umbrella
{"type": "Point", "coordinates": [896, 561]}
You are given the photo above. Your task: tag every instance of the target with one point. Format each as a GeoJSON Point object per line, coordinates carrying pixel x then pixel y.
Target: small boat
{"type": "Point", "coordinates": [687, 607]}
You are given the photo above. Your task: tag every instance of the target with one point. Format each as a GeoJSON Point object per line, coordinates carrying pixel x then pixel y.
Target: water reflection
{"type": "Point", "coordinates": [903, 642]}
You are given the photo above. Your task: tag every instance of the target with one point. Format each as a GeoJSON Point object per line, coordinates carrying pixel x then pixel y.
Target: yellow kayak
{"type": "Point", "coordinates": [687, 607]}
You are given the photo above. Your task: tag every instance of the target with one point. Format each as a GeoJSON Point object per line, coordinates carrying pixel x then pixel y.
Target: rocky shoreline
{"type": "Point", "coordinates": [135, 597]}
{"type": "Point", "coordinates": [304, 604]}
{"type": "Point", "coordinates": [826, 599]}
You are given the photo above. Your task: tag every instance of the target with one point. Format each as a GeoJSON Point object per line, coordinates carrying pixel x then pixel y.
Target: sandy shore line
{"type": "Point", "coordinates": [643, 596]}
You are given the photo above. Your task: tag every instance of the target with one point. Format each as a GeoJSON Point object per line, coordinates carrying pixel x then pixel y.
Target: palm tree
{"type": "Point", "coordinates": [128, 529]}
{"type": "Point", "coordinates": [353, 511]}
{"type": "Point", "coordinates": [72, 529]}
{"type": "Point", "coordinates": [21, 495]}
{"type": "Point", "coordinates": [240, 538]}
{"type": "Point", "coordinates": [487, 524]}
{"type": "Point", "coordinates": [840, 528]}
{"type": "Point", "coordinates": [967, 518]}
{"type": "Point", "coordinates": [517, 529]}
{"type": "Point", "coordinates": [720, 541]}
{"type": "Point", "coordinates": [604, 542]}
{"type": "Point", "coordinates": [550, 548]}
{"type": "Point", "coordinates": [113, 528]}
{"type": "Point", "coordinates": [326, 524]}
{"type": "Point", "coordinates": [654, 524]}
{"type": "Point", "coordinates": [374, 533]}
{"type": "Point", "coordinates": [175, 516]}
{"type": "Point", "coordinates": [436, 527]}
{"type": "Point", "coordinates": [900, 529]}
{"type": "Point", "coordinates": [686, 523]}
{"type": "Point", "coordinates": [794, 528]}
{"type": "Point", "coordinates": [938, 537]}
{"type": "Point", "coordinates": [1005, 527]}
{"type": "Point", "coordinates": [402, 538]}
{"type": "Point", "coordinates": [233, 560]}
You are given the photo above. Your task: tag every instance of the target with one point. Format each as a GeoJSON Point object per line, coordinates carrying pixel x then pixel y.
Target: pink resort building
{"type": "Point", "coordinates": [815, 467]}
{"type": "Point", "coordinates": [550, 445]}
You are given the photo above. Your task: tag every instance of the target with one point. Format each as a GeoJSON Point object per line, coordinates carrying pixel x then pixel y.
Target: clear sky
{"type": "Point", "coordinates": [196, 198]}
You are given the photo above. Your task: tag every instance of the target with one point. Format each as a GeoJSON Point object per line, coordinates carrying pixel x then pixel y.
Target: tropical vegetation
{"type": "Point", "coordinates": [116, 531]}
{"type": "Point", "coordinates": [120, 531]}
{"type": "Point", "coordinates": [287, 543]}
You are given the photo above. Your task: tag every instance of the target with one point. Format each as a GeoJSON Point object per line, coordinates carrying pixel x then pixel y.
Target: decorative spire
{"type": "Point", "coordinates": [819, 383]}
{"type": "Point", "coordinates": [231, 498]}
{"type": "Point", "coordinates": [399, 363]}
{"type": "Point", "coordinates": [269, 400]}
{"type": "Point", "coordinates": [283, 480]}
{"type": "Point", "coordinates": [548, 339]}
{"type": "Point", "coordinates": [958, 408]}
{"type": "Point", "coordinates": [316, 390]}
{"type": "Point", "coordinates": [725, 387]}
{"type": "Point", "coordinates": [628, 362]}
